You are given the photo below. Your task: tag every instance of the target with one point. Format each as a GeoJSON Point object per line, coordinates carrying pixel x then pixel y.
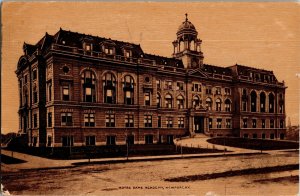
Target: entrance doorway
{"type": "Point", "coordinates": [199, 124]}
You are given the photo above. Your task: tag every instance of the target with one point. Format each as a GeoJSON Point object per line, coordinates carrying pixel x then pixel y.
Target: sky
{"type": "Point", "coordinates": [261, 35]}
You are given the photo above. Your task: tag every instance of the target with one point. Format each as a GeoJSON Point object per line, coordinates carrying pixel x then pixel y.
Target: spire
{"type": "Point", "coordinates": [186, 17]}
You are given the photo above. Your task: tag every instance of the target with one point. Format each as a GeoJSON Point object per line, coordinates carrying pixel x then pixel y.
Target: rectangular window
{"type": "Point", "coordinates": [218, 90]}
{"type": "Point", "coordinates": [219, 123]}
{"type": "Point", "coordinates": [210, 121]}
{"type": "Point", "coordinates": [271, 123]}
{"type": "Point", "coordinates": [88, 47]}
{"type": "Point", "coordinates": [90, 140]}
{"type": "Point", "coordinates": [35, 120]}
{"type": "Point", "coordinates": [180, 122]}
{"type": "Point", "coordinates": [35, 96]}
{"type": "Point", "coordinates": [147, 98]}
{"type": "Point", "coordinates": [49, 91]}
{"type": "Point", "coordinates": [179, 86]}
{"type": "Point", "coordinates": [111, 140]}
{"type": "Point", "coordinates": [158, 85]}
{"type": "Point", "coordinates": [169, 122]}
{"type": "Point", "coordinates": [67, 141]}
{"type": "Point", "coordinates": [159, 121]}
{"type": "Point", "coordinates": [281, 124]}
{"type": "Point", "coordinates": [170, 139]}
{"type": "Point", "coordinates": [110, 120]}
{"type": "Point", "coordinates": [227, 91]}
{"type": "Point", "coordinates": [49, 141]}
{"type": "Point", "coordinates": [66, 119]}
{"type": "Point", "coordinates": [34, 74]}
{"type": "Point", "coordinates": [263, 123]}
{"type": "Point", "coordinates": [49, 119]}
{"type": "Point", "coordinates": [148, 120]}
{"type": "Point", "coordinates": [89, 120]}
{"type": "Point", "coordinates": [66, 92]}
{"type": "Point", "coordinates": [168, 85]}
{"type": "Point", "coordinates": [245, 125]}
{"type": "Point", "coordinates": [127, 54]}
{"type": "Point", "coordinates": [208, 90]}
{"type": "Point", "coordinates": [129, 120]}
{"type": "Point", "coordinates": [253, 123]}
{"type": "Point", "coordinates": [196, 87]}
{"type": "Point", "coordinates": [244, 106]}
{"type": "Point", "coordinates": [148, 139]}
{"type": "Point", "coordinates": [228, 123]}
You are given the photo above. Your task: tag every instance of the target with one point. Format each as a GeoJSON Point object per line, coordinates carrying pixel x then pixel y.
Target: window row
{"type": "Point", "coordinates": [263, 100]}
{"type": "Point", "coordinates": [110, 120]}
{"type": "Point", "coordinates": [264, 136]}
{"type": "Point", "coordinates": [219, 123]}
{"type": "Point", "coordinates": [112, 140]}
{"type": "Point", "coordinates": [262, 123]}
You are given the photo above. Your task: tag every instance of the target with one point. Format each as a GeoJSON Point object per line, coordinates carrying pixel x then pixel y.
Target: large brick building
{"type": "Point", "coordinates": [78, 89]}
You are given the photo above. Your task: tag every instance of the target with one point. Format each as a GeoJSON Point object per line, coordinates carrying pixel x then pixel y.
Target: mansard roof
{"type": "Point", "coordinates": [74, 39]}
{"type": "Point", "coordinates": [217, 70]}
{"type": "Point", "coordinates": [242, 70]}
{"type": "Point", "coordinates": [161, 60]}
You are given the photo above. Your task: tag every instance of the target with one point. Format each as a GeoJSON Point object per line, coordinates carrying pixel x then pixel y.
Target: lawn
{"type": "Point", "coordinates": [255, 144]}
{"type": "Point", "coordinates": [111, 151]}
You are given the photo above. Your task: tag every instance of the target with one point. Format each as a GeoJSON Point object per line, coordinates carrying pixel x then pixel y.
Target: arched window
{"type": "Point", "coordinates": [168, 100]}
{"type": "Point", "coordinates": [158, 100]}
{"type": "Point", "coordinates": [271, 103]}
{"type": "Point", "coordinates": [262, 102]}
{"type": "Point", "coordinates": [181, 46]}
{"type": "Point", "coordinates": [109, 88]}
{"type": "Point", "coordinates": [281, 103]}
{"type": "Point", "coordinates": [180, 102]}
{"type": "Point", "coordinates": [196, 101]}
{"type": "Point", "coordinates": [244, 100]}
{"type": "Point", "coordinates": [253, 101]}
{"type": "Point", "coordinates": [218, 105]}
{"type": "Point", "coordinates": [208, 103]}
{"type": "Point", "coordinates": [227, 105]}
{"type": "Point", "coordinates": [88, 81]}
{"type": "Point", "coordinates": [128, 88]}
{"type": "Point", "coordinates": [192, 45]}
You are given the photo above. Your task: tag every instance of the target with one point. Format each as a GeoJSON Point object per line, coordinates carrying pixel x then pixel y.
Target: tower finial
{"type": "Point", "coordinates": [186, 17]}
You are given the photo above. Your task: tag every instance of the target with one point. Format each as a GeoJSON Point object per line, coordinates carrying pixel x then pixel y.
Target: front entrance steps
{"type": "Point", "coordinates": [200, 135]}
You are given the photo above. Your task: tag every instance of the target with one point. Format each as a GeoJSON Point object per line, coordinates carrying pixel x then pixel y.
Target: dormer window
{"type": "Point", "coordinates": [108, 47]}
{"type": "Point", "coordinates": [88, 47]}
{"type": "Point", "coordinates": [127, 53]}
{"type": "Point", "coordinates": [109, 50]}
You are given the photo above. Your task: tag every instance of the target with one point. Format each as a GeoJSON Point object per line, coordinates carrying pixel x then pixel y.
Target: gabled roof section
{"type": "Point", "coordinates": [28, 49]}
{"type": "Point", "coordinates": [198, 72]}
{"type": "Point", "coordinates": [161, 60]}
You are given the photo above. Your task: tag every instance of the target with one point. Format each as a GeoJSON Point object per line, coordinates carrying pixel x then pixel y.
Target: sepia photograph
{"type": "Point", "coordinates": [150, 98]}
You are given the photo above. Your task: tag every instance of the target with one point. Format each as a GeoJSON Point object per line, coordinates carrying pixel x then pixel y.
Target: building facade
{"type": "Point", "coordinates": [83, 90]}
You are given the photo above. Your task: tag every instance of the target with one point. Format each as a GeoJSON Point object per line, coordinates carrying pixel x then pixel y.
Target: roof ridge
{"type": "Point", "coordinates": [96, 36]}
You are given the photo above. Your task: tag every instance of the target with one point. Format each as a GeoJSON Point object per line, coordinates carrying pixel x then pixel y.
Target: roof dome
{"type": "Point", "coordinates": [186, 27]}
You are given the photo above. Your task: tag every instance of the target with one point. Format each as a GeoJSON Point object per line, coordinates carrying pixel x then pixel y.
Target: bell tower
{"type": "Point", "coordinates": [187, 47]}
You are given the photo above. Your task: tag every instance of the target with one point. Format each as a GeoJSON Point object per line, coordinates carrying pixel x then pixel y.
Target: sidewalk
{"type": "Point", "coordinates": [201, 141]}
{"type": "Point", "coordinates": [34, 162]}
